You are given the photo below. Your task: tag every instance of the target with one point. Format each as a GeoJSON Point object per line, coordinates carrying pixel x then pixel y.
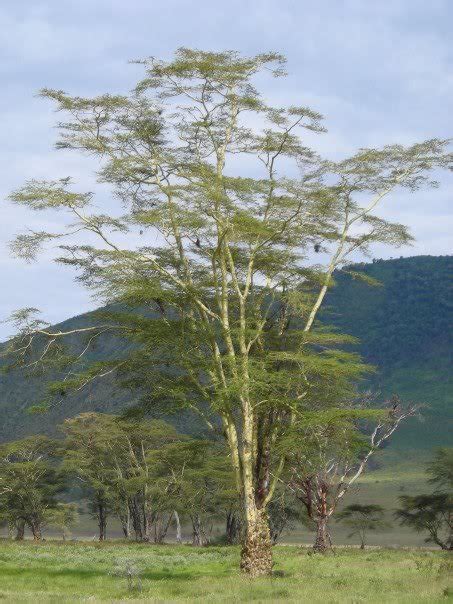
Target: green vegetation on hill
{"type": "Point", "coordinates": [407, 319]}
{"type": "Point", "coordinates": [404, 327]}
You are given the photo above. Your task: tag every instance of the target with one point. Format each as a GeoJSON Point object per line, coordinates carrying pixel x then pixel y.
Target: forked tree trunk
{"type": "Point", "coordinates": [233, 528]}
{"type": "Point", "coordinates": [20, 530]}
{"type": "Point", "coordinates": [148, 520]}
{"type": "Point", "coordinates": [256, 554]}
{"type": "Point", "coordinates": [161, 526]}
{"type": "Point", "coordinates": [35, 528]}
{"type": "Point", "coordinates": [102, 521]}
{"type": "Point", "coordinates": [125, 519]}
{"type": "Point", "coordinates": [197, 531]}
{"type": "Point", "coordinates": [136, 519]}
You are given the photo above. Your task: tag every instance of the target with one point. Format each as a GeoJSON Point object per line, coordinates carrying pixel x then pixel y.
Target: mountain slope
{"type": "Point", "coordinates": [404, 326]}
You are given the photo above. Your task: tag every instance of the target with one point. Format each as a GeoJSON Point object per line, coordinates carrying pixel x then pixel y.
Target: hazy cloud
{"type": "Point", "coordinates": [380, 72]}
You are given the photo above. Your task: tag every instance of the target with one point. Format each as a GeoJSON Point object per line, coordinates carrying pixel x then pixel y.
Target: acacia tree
{"type": "Point", "coordinates": [237, 200]}
{"type": "Point", "coordinates": [284, 513]}
{"type": "Point", "coordinates": [329, 450]}
{"type": "Point", "coordinates": [433, 512]}
{"type": "Point", "coordinates": [89, 456]}
{"type": "Point", "coordinates": [194, 478]}
{"type": "Point", "coordinates": [430, 513]}
{"type": "Point", "coordinates": [64, 517]}
{"type": "Point", "coordinates": [110, 458]}
{"type": "Point", "coordinates": [363, 518]}
{"type": "Point", "coordinates": [29, 483]}
{"type": "Point", "coordinates": [440, 469]}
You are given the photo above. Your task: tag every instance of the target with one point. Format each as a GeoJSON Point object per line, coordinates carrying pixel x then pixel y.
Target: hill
{"type": "Point", "coordinates": [404, 326]}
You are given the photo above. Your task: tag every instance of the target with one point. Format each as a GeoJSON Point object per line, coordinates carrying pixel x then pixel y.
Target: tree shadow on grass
{"type": "Point", "coordinates": [183, 575]}
{"type": "Point", "coordinates": [86, 574]}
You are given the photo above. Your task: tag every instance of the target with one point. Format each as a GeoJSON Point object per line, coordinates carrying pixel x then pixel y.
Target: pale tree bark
{"type": "Point", "coordinates": [199, 537]}
{"type": "Point", "coordinates": [178, 527]}
{"type": "Point", "coordinates": [125, 520]}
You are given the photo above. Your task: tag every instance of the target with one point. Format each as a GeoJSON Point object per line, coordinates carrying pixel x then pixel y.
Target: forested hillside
{"type": "Point", "coordinates": [405, 329]}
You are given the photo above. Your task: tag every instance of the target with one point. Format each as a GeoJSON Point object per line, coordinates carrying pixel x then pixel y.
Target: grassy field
{"type": "Point", "coordinates": [82, 572]}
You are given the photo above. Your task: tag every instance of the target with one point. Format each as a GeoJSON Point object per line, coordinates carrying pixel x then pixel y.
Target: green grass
{"type": "Point", "coordinates": [82, 572]}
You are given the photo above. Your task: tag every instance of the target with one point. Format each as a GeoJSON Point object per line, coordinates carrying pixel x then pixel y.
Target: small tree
{"type": "Point", "coordinates": [89, 457]}
{"type": "Point", "coordinates": [64, 517]}
{"type": "Point", "coordinates": [109, 456]}
{"type": "Point", "coordinates": [29, 483]}
{"type": "Point", "coordinates": [193, 478]}
{"type": "Point", "coordinates": [431, 513]}
{"type": "Point", "coordinates": [440, 469]}
{"type": "Point", "coordinates": [284, 513]}
{"type": "Point", "coordinates": [329, 451]}
{"type": "Point", "coordinates": [361, 519]}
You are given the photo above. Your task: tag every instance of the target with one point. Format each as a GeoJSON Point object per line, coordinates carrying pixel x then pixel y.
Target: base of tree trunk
{"type": "Point", "coordinates": [321, 548]}
{"type": "Point", "coordinates": [256, 554]}
{"type": "Point", "coordinates": [20, 531]}
{"type": "Point", "coordinates": [322, 543]}
{"type": "Point", "coordinates": [36, 532]}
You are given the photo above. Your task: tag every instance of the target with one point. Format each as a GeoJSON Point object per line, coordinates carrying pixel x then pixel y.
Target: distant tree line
{"type": "Point", "coordinates": [150, 478]}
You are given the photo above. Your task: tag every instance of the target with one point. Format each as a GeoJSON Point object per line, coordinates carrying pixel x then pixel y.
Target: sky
{"type": "Point", "coordinates": [380, 72]}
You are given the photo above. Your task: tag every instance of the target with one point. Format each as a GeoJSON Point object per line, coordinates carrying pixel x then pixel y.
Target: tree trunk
{"type": "Point", "coordinates": [158, 528]}
{"type": "Point", "coordinates": [149, 518]}
{"type": "Point", "coordinates": [233, 528]}
{"type": "Point", "coordinates": [125, 519]}
{"type": "Point", "coordinates": [178, 527]}
{"type": "Point", "coordinates": [20, 530]}
{"type": "Point", "coordinates": [256, 554]}
{"type": "Point", "coordinates": [136, 520]}
{"type": "Point", "coordinates": [102, 521]}
{"type": "Point", "coordinates": [322, 542]}
{"type": "Point", "coordinates": [161, 527]}
{"type": "Point", "coordinates": [196, 531]}
{"type": "Point", "coordinates": [35, 528]}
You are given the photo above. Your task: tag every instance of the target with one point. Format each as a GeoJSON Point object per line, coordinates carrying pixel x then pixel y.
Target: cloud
{"type": "Point", "coordinates": [380, 72]}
